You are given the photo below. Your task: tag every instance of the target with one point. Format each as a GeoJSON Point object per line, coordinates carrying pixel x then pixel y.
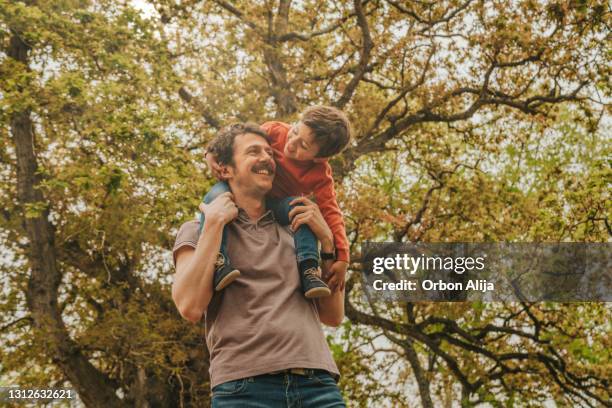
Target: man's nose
{"type": "Point", "coordinates": [269, 159]}
{"type": "Point", "coordinates": [265, 158]}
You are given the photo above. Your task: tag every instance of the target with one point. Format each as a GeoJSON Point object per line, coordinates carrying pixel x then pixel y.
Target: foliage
{"type": "Point", "coordinates": [474, 121]}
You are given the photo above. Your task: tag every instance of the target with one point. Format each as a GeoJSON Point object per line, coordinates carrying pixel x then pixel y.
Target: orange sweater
{"type": "Point", "coordinates": [307, 177]}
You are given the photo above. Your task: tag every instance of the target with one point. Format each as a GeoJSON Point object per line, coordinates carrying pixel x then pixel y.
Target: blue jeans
{"type": "Point", "coordinates": [306, 246]}
{"type": "Point", "coordinates": [317, 390]}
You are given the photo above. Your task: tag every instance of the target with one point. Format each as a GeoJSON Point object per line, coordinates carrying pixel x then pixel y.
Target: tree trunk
{"type": "Point", "coordinates": [94, 387]}
{"type": "Point", "coordinates": [420, 376]}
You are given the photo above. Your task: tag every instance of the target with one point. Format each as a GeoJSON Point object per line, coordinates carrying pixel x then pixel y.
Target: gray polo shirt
{"type": "Point", "coordinates": [261, 322]}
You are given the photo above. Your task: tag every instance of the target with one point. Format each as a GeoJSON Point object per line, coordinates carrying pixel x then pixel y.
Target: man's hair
{"type": "Point", "coordinates": [330, 126]}
{"type": "Point", "coordinates": [222, 145]}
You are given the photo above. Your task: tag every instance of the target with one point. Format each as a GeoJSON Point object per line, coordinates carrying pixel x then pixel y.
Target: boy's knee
{"type": "Point", "coordinates": [215, 191]}
{"type": "Point", "coordinates": [288, 200]}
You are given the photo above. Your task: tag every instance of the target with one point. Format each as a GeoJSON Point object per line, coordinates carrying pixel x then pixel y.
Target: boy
{"type": "Point", "coordinates": [301, 152]}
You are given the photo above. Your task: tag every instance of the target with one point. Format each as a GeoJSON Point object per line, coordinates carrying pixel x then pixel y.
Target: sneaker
{"type": "Point", "coordinates": [224, 273]}
{"type": "Point", "coordinates": [312, 285]}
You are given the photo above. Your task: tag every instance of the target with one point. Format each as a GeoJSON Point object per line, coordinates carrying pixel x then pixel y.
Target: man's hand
{"type": "Point", "coordinates": [215, 168]}
{"type": "Point", "coordinates": [308, 213]}
{"type": "Point", "coordinates": [222, 209]}
{"type": "Point", "coordinates": [337, 276]}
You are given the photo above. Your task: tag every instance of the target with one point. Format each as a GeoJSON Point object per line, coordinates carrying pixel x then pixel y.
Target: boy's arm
{"type": "Point", "coordinates": [275, 130]}
{"type": "Point", "coordinates": [325, 196]}
{"type": "Point", "coordinates": [326, 202]}
{"type": "Point", "coordinates": [214, 167]}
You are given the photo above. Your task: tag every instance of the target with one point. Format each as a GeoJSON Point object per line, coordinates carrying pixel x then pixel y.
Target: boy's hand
{"type": "Point", "coordinates": [215, 169]}
{"type": "Point", "coordinates": [338, 276]}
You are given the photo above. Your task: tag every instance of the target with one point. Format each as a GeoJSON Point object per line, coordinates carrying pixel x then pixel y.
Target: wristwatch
{"type": "Point", "coordinates": [328, 256]}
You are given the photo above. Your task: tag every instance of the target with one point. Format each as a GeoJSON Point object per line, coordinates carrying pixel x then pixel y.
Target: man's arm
{"type": "Point", "coordinates": [331, 308]}
{"type": "Point", "coordinates": [192, 289]}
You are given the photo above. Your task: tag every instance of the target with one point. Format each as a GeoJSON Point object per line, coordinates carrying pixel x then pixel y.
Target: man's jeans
{"type": "Point", "coordinates": [317, 389]}
{"type": "Point", "coordinates": [306, 246]}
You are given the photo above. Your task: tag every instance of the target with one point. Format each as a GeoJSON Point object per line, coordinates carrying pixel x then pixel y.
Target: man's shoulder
{"type": "Point", "coordinates": [187, 235]}
{"type": "Point", "coordinates": [189, 228]}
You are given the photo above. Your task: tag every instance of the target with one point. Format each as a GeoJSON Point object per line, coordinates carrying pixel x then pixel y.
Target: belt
{"type": "Point", "coordinates": [297, 371]}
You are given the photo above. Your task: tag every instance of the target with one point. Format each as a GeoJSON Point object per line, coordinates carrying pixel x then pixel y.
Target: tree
{"type": "Point", "coordinates": [105, 110]}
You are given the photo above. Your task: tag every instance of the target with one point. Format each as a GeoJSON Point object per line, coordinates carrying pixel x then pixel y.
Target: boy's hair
{"type": "Point", "coordinates": [330, 126]}
{"type": "Point", "coordinates": [222, 145]}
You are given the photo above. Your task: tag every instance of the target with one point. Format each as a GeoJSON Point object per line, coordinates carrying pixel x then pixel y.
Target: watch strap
{"type": "Point", "coordinates": [328, 256]}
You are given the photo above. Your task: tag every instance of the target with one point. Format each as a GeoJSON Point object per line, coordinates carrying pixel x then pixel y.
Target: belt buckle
{"type": "Point", "coordinates": [298, 371]}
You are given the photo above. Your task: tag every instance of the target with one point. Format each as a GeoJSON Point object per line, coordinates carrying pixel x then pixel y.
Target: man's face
{"type": "Point", "coordinates": [301, 143]}
{"type": "Point", "coordinates": [254, 166]}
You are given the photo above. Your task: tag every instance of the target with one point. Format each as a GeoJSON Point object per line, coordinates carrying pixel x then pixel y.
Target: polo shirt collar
{"type": "Point", "coordinates": [266, 218]}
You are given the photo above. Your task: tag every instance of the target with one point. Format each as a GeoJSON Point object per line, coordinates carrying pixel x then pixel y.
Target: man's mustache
{"type": "Point", "coordinates": [264, 166]}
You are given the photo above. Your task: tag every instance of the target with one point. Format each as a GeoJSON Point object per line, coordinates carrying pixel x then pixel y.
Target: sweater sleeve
{"type": "Point", "coordinates": [325, 195]}
{"type": "Point", "coordinates": [274, 130]}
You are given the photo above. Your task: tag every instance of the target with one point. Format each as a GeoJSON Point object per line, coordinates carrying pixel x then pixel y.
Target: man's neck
{"type": "Point", "coordinates": [255, 207]}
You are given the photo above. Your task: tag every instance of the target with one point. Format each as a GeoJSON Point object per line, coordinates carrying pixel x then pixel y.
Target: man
{"type": "Point", "coordinates": [267, 348]}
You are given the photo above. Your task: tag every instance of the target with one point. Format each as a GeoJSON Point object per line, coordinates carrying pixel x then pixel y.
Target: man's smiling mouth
{"type": "Point", "coordinates": [264, 170]}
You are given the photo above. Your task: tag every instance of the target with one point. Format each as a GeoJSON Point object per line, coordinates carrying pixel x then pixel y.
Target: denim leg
{"type": "Point", "coordinates": [319, 390]}
{"type": "Point", "coordinates": [264, 391]}
{"type": "Point", "coordinates": [219, 188]}
{"type": "Point", "coordinates": [306, 246]}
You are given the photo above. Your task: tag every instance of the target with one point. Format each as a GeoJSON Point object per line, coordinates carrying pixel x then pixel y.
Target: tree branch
{"type": "Point", "coordinates": [364, 56]}
{"type": "Point", "coordinates": [93, 386]}
{"type": "Point", "coordinates": [200, 107]}
{"type": "Point", "coordinates": [237, 13]}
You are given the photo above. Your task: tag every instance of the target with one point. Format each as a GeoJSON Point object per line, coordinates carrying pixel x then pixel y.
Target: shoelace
{"type": "Point", "coordinates": [311, 275]}
{"type": "Point", "coordinates": [220, 261]}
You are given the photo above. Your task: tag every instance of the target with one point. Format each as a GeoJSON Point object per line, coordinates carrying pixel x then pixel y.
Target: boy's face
{"type": "Point", "coordinates": [301, 144]}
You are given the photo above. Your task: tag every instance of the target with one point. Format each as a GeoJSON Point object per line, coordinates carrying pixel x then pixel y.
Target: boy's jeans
{"type": "Point", "coordinates": [317, 390]}
{"type": "Point", "coordinates": [306, 246]}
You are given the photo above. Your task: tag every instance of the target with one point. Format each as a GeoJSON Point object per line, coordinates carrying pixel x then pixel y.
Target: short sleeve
{"type": "Point", "coordinates": [186, 236]}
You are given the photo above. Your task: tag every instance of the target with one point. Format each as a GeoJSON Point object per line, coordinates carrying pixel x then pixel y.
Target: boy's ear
{"type": "Point", "coordinates": [224, 171]}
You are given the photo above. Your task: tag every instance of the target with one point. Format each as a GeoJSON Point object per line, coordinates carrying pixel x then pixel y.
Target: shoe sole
{"type": "Point", "coordinates": [317, 293]}
{"type": "Point", "coordinates": [232, 276]}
